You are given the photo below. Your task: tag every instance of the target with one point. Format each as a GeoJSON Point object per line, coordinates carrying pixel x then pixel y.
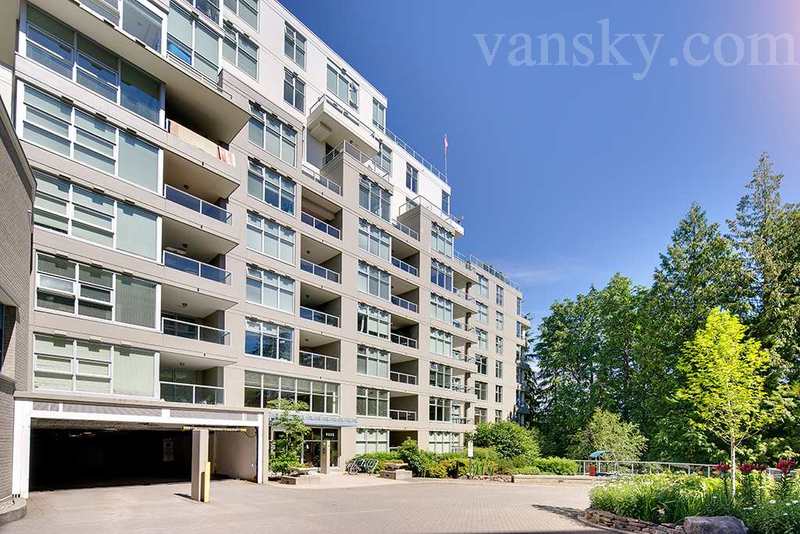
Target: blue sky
{"type": "Point", "coordinates": [568, 174]}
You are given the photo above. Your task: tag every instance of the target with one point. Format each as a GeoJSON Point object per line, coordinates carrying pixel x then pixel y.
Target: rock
{"type": "Point", "coordinates": [714, 525]}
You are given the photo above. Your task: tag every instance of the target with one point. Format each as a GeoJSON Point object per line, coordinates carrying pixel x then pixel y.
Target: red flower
{"type": "Point", "coordinates": [786, 465]}
{"type": "Point", "coordinates": [746, 469]}
{"type": "Point", "coordinates": [761, 467]}
{"type": "Point", "coordinates": [722, 467]}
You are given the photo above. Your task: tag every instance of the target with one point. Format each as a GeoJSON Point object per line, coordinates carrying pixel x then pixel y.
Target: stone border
{"type": "Point", "coordinates": [619, 523]}
{"type": "Point", "coordinates": [13, 511]}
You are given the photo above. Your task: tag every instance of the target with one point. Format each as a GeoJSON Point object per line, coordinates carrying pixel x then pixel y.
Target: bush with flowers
{"type": "Point", "coordinates": [767, 503]}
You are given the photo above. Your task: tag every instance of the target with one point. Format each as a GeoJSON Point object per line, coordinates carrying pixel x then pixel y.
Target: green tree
{"type": "Point", "coordinates": [607, 431]}
{"type": "Point", "coordinates": [507, 438]}
{"type": "Point", "coordinates": [290, 432]}
{"type": "Point", "coordinates": [725, 383]}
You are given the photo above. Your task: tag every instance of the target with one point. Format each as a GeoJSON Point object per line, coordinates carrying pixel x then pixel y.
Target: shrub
{"type": "Point", "coordinates": [527, 470]}
{"type": "Point", "coordinates": [284, 463]}
{"type": "Point", "coordinates": [606, 431]}
{"type": "Point", "coordinates": [556, 466]}
{"type": "Point", "coordinates": [456, 467]}
{"type": "Point", "coordinates": [507, 438]}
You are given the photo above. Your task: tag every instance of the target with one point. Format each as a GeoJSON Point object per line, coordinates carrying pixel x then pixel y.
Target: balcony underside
{"type": "Point", "coordinates": [329, 122]}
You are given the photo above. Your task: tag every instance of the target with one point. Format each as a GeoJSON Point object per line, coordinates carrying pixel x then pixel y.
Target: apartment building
{"type": "Point", "coordinates": [222, 219]}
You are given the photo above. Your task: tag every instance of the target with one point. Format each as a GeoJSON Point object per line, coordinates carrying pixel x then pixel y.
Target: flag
{"type": "Point", "coordinates": [445, 144]}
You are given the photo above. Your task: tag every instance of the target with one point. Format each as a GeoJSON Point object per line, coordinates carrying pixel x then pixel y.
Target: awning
{"type": "Point", "coordinates": [315, 419]}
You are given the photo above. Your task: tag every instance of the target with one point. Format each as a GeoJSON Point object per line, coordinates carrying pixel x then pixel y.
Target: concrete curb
{"type": "Point", "coordinates": [16, 510]}
{"type": "Point", "coordinates": [558, 479]}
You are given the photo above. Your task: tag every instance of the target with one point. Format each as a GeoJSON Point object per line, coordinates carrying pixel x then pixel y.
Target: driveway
{"type": "Point", "coordinates": [242, 507]}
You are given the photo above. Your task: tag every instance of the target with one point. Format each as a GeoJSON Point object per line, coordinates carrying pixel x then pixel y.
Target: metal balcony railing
{"type": "Point", "coordinates": [403, 415]}
{"type": "Point", "coordinates": [403, 340]}
{"type": "Point", "coordinates": [191, 393]}
{"type": "Point", "coordinates": [458, 420]}
{"type": "Point", "coordinates": [320, 225]}
{"type": "Point", "coordinates": [318, 316]}
{"type": "Point", "coordinates": [324, 181]}
{"type": "Point", "coordinates": [403, 303]}
{"type": "Point", "coordinates": [197, 268]}
{"type": "Point", "coordinates": [196, 204]}
{"type": "Point", "coordinates": [199, 332]}
{"type": "Point", "coordinates": [319, 270]}
{"type": "Point", "coordinates": [416, 155]}
{"type": "Point", "coordinates": [405, 266]}
{"type": "Point", "coordinates": [410, 232]}
{"type": "Point", "coordinates": [403, 378]}
{"type": "Point", "coordinates": [319, 361]}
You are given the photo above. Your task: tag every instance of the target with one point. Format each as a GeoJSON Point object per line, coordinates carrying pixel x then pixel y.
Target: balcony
{"type": "Point", "coordinates": [194, 251]}
{"type": "Point", "coordinates": [411, 211]}
{"type": "Point", "coordinates": [325, 181]}
{"type": "Point", "coordinates": [321, 214]}
{"type": "Point", "coordinates": [457, 419]}
{"type": "Point", "coordinates": [404, 294]}
{"type": "Point", "coordinates": [403, 303]}
{"type": "Point", "coordinates": [404, 341]}
{"type": "Point", "coordinates": [332, 123]}
{"type": "Point", "coordinates": [403, 406]}
{"type": "Point", "coordinates": [191, 393]}
{"type": "Point", "coordinates": [196, 268]}
{"type": "Point", "coordinates": [320, 259]}
{"type": "Point", "coordinates": [404, 330]}
{"type": "Point", "coordinates": [319, 361]}
{"type": "Point", "coordinates": [197, 205]}
{"type": "Point", "coordinates": [199, 141]}
{"type": "Point", "coordinates": [192, 330]}
{"type": "Point", "coordinates": [319, 270]}
{"type": "Point", "coordinates": [403, 369]}
{"type": "Point", "coordinates": [405, 266]}
{"type": "Point", "coordinates": [190, 380]}
{"type": "Point", "coordinates": [319, 351]}
{"type": "Point", "coordinates": [403, 415]}
{"type": "Point", "coordinates": [403, 378]}
{"type": "Point", "coordinates": [320, 306]}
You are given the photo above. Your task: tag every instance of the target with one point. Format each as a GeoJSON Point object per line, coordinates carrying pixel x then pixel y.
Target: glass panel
{"type": "Point", "coordinates": [142, 23]}
{"type": "Point", "coordinates": [138, 161]}
{"type": "Point", "coordinates": [140, 93]}
{"type": "Point", "coordinates": [135, 301]}
{"type": "Point", "coordinates": [137, 231]}
{"type": "Point", "coordinates": [134, 372]}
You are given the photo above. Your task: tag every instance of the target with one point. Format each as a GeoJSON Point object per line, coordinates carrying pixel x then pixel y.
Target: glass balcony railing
{"type": "Point", "coordinates": [410, 232]}
{"type": "Point", "coordinates": [196, 204]}
{"type": "Point", "coordinates": [319, 270]}
{"type": "Point", "coordinates": [320, 225]}
{"type": "Point", "coordinates": [403, 378]}
{"type": "Point", "coordinates": [403, 415]}
{"type": "Point", "coordinates": [319, 361]}
{"type": "Point", "coordinates": [405, 266]}
{"type": "Point", "coordinates": [404, 341]}
{"type": "Point", "coordinates": [191, 393]}
{"type": "Point", "coordinates": [325, 182]}
{"type": "Point", "coordinates": [197, 268]}
{"type": "Point", "coordinates": [403, 303]}
{"type": "Point", "coordinates": [199, 332]}
{"type": "Point", "coordinates": [318, 316]}
{"type": "Point", "coordinates": [458, 420]}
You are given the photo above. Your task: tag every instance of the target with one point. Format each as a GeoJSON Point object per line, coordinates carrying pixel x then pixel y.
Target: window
{"type": "Point", "coordinates": [294, 90]}
{"type": "Point", "coordinates": [498, 344]}
{"type": "Point", "coordinates": [483, 339]}
{"type": "Point", "coordinates": [294, 46]}
{"type": "Point", "coordinates": [446, 202]}
{"type": "Point", "coordinates": [372, 362]}
{"type": "Point", "coordinates": [483, 313]}
{"type": "Point", "coordinates": [371, 440]}
{"type": "Point", "coordinates": [441, 343]}
{"type": "Point", "coordinates": [71, 55]}
{"type": "Point", "coordinates": [498, 393]}
{"type": "Point", "coordinates": [270, 289]}
{"type": "Point", "coordinates": [384, 157]}
{"type": "Point", "coordinates": [520, 330]}
{"type": "Point", "coordinates": [342, 86]}
{"type": "Point", "coordinates": [372, 402]}
{"type": "Point", "coordinates": [442, 240]}
{"type": "Point", "coordinates": [373, 239]}
{"type": "Point", "coordinates": [519, 306]}
{"type": "Point", "coordinates": [90, 216]}
{"type": "Point", "coordinates": [268, 340]}
{"type": "Point", "coordinates": [441, 275]}
{"type": "Point", "coordinates": [378, 115]}
{"type": "Point", "coordinates": [142, 22]}
{"type": "Point", "coordinates": [443, 442]}
{"type": "Point", "coordinates": [499, 320]}
{"type": "Point", "coordinates": [412, 177]}
{"type": "Point", "coordinates": [480, 415]}
{"type": "Point", "coordinates": [273, 135]}
{"type": "Point", "coordinates": [480, 362]}
{"type": "Point", "coordinates": [483, 286]}
{"type": "Point", "coordinates": [374, 198]}
{"type": "Point", "coordinates": [61, 128]}
{"type": "Point", "coordinates": [481, 390]}
{"type": "Point", "coordinates": [498, 295]}
{"type": "Point", "coordinates": [66, 364]}
{"type": "Point", "coordinates": [69, 287]}
{"type": "Point", "coordinates": [498, 369]}
{"type": "Point", "coordinates": [192, 42]}
{"type": "Point", "coordinates": [441, 309]}
{"type": "Point", "coordinates": [373, 321]}
{"type": "Point", "coordinates": [270, 238]}
{"type": "Point", "coordinates": [240, 50]}
{"type": "Point", "coordinates": [441, 376]}
{"type": "Point", "coordinates": [260, 389]}
{"type": "Point", "coordinates": [439, 409]}
{"type": "Point", "coordinates": [498, 416]}
{"type": "Point", "coordinates": [247, 10]}
{"type": "Point", "coordinates": [373, 280]}
{"type": "Point", "coordinates": [268, 186]}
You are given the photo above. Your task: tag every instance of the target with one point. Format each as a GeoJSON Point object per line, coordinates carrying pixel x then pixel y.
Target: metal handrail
{"type": "Point", "coordinates": [324, 181]}
{"type": "Point", "coordinates": [410, 232]}
{"type": "Point", "coordinates": [403, 378]}
{"type": "Point", "coordinates": [319, 270]}
{"type": "Point", "coordinates": [318, 316]}
{"type": "Point", "coordinates": [420, 201]}
{"type": "Point", "coordinates": [196, 204]}
{"type": "Point", "coordinates": [403, 340]}
{"type": "Point", "coordinates": [217, 397]}
{"type": "Point", "coordinates": [462, 293]}
{"type": "Point", "coordinates": [403, 415]}
{"type": "Point", "coordinates": [371, 163]}
{"type": "Point", "coordinates": [320, 225]}
{"type": "Point", "coordinates": [405, 266]}
{"type": "Point", "coordinates": [199, 332]}
{"type": "Point", "coordinates": [416, 155]}
{"type": "Point", "coordinates": [615, 466]}
{"type": "Point", "coordinates": [403, 303]}
{"type": "Point", "coordinates": [319, 361]}
{"type": "Point", "coordinates": [197, 268]}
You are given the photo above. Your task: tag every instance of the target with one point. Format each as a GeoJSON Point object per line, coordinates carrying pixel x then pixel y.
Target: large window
{"type": "Point", "coordinates": [273, 135]}
{"type": "Point", "coordinates": [480, 362]}
{"type": "Point", "coordinates": [374, 198]}
{"type": "Point", "coordinates": [268, 186]}
{"type": "Point", "coordinates": [373, 280]}
{"type": "Point", "coordinates": [140, 21]}
{"type": "Point", "coordinates": [373, 321]}
{"type": "Point", "coordinates": [373, 239]}
{"type": "Point", "coordinates": [483, 286]}
{"type": "Point", "coordinates": [246, 9]}
{"type": "Point", "coordinates": [480, 415]}
{"type": "Point", "coordinates": [384, 157]}
{"type": "Point", "coordinates": [378, 115]}
{"type": "Point", "coordinates": [441, 309]}
{"type": "Point", "coordinates": [441, 376]}
{"type": "Point", "coordinates": [442, 240]}
{"type": "Point", "coordinates": [500, 322]}
{"type": "Point", "coordinates": [498, 393]}
{"type": "Point", "coordinates": [483, 313]}
{"type": "Point", "coordinates": [294, 90]}
{"type": "Point", "coordinates": [71, 55]}
{"type": "Point", "coordinates": [443, 442]}
{"type": "Point", "coordinates": [439, 409]}
{"type": "Point", "coordinates": [412, 178]}
{"type": "Point", "coordinates": [441, 275]}
{"type": "Point", "coordinates": [260, 389]}
{"type": "Point", "coordinates": [371, 440]}
{"type": "Point", "coordinates": [240, 50]}
{"type": "Point", "coordinates": [373, 362]}
{"type": "Point", "coordinates": [192, 42]}
{"type": "Point", "coordinates": [498, 416]}
{"type": "Point", "coordinates": [294, 46]}
{"type": "Point", "coordinates": [69, 287]}
{"type": "Point", "coordinates": [498, 369]}
{"type": "Point", "coordinates": [483, 339]}
{"type": "Point", "coordinates": [498, 344]}
{"type": "Point", "coordinates": [446, 202]}
{"type": "Point", "coordinates": [481, 389]}
{"type": "Point", "coordinates": [84, 214]}
{"type": "Point", "coordinates": [441, 343]}
{"type": "Point", "coordinates": [520, 330]}
{"type": "Point", "coordinates": [372, 402]}
{"type": "Point", "coordinates": [498, 295]}
{"type": "Point", "coordinates": [270, 238]}
{"type": "Point", "coordinates": [342, 86]}
{"type": "Point", "coordinates": [519, 305]}
{"type": "Point", "coordinates": [268, 340]}
{"type": "Point", "coordinates": [61, 128]}
{"type": "Point", "coordinates": [66, 364]}
{"type": "Point", "coordinates": [270, 289]}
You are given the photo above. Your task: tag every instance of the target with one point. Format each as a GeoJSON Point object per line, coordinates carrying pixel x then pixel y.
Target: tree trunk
{"type": "Point", "coordinates": [733, 470]}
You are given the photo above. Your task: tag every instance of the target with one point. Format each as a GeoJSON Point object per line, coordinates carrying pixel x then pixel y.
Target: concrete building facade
{"type": "Point", "coordinates": [223, 219]}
